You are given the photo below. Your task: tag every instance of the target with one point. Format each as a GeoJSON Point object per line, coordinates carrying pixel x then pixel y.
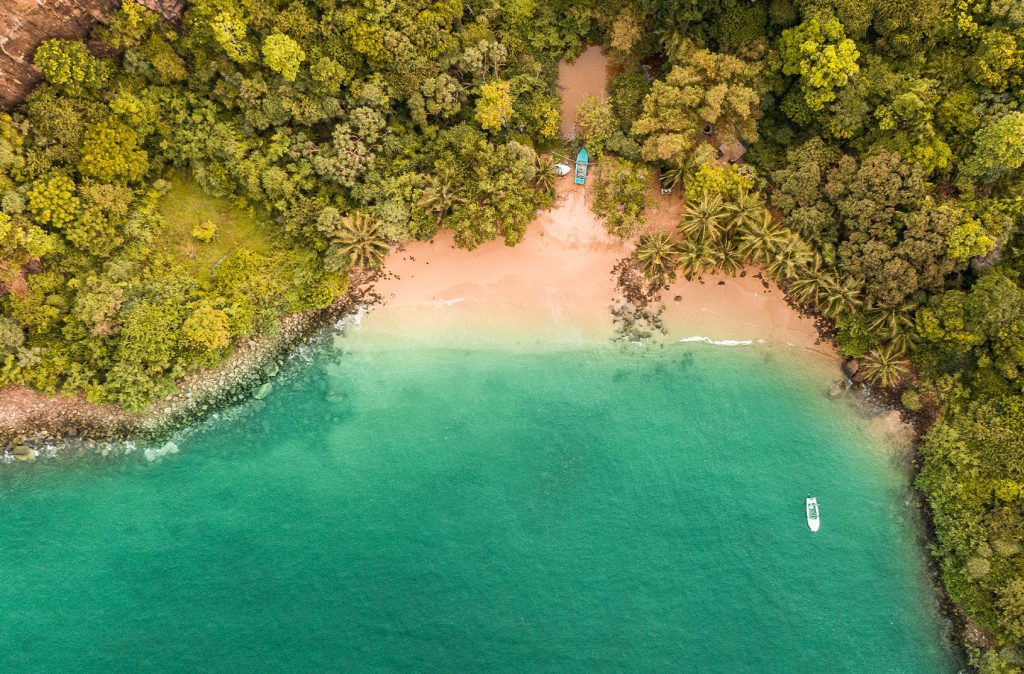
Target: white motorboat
{"type": "Point", "coordinates": [562, 169]}
{"type": "Point", "coordinates": [813, 516]}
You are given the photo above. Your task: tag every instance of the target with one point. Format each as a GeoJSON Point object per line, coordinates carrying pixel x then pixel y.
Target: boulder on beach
{"type": "Point", "coordinates": [271, 369]}
{"type": "Point", "coordinates": [850, 367]}
{"type": "Point", "coordinates": [23, 453]}
{"type": "Point", "coordinates": [263, 391]}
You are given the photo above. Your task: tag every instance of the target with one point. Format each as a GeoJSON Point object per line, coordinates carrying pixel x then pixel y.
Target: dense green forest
{"type": "Point", "coordinates": [170, 190]}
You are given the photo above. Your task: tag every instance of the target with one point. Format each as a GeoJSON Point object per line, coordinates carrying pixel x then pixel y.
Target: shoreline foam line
{"type": "Point", "coordinates": [723, 342]}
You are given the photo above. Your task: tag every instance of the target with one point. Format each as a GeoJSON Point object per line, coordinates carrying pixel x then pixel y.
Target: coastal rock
{"type": "Point", "coordinates": [23, 453]}
{"type": "Point", "coordinates": [170, 9]}
{"type": "Point", "coordinates": [156, 453]}
{"type": "Point", "coordinates": [975, 636]}
{"type": "Point", "coordinates": [851, 367]}
{"type": "Point", "coordinates": [263, 391]}
{"type": "Point", "coordinates": [203, 393]}
{"type": "Point", "coordinates": [271, 369]}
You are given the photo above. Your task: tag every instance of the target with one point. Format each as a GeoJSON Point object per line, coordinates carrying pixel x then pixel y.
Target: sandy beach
{"type": "Point", "coordinates": [556, 289]}
{"type": "Point", "coordinates": [557, 286]}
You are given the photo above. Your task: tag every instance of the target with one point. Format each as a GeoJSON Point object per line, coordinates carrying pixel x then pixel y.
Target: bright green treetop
{"type": "Point", "coordinates": [968, 239]}
{"type": "Point", "coordinates": [283, 55]}
{"type": "Point", "coordinates": [705, 90]}
{"type": "Point", "coordinates": [229, 31]}
{"type": "Point", "coordinates": [494, 107]}
{"type": "Point", "coordinates": [998, 148]}
{"type": "Point", "coordinates": [111, 153]}
{"type": "Point", "coordinates": [53, 201]}
{"type": "Point", "coordinates": [207, 328]}
{"type": "Point", "coordinates": [824, 58]}
{"type": "Point", "coordinates": [68, 65]}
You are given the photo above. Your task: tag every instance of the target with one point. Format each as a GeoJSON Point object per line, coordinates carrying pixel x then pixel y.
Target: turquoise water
{"type": "Point", "coordinates": [481, 510]}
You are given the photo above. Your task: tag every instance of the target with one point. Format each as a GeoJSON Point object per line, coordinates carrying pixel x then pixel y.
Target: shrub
{"type": "Point", "coordinates": [911, 400]}
{"type": "Point", "coordinates": [620, 196]}
{"type": "Point", "coordinates": [205, 231]}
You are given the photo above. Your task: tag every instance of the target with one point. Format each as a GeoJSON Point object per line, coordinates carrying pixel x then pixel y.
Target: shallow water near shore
{"type": "Point", "coordinates": [433, 508]}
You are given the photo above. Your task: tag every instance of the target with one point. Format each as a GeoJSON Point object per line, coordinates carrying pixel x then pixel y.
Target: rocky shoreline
{"type": "Point", "coordinates": [962, 632]}
{"type": "Point", "coordinates": [34, 425]}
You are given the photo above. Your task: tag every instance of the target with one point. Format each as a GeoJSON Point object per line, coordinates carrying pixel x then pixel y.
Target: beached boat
{"type": "Point", "coordinates": [562, 169]}
{"type": "Point", "coordinates": [813, 519]}
{"type": "Point", "coordinates": [582, 161]}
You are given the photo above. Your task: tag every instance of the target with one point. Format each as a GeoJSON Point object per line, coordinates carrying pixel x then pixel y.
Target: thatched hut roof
{"type": "Point", "coordinates": [731, 152]}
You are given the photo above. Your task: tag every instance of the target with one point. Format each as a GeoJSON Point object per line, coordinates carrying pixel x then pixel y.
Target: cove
{"type": "Point", "coordinates": [425, 508]}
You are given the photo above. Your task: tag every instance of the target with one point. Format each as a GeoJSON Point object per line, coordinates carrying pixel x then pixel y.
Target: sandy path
{"type": "Point", "coordinates": [586, 76]}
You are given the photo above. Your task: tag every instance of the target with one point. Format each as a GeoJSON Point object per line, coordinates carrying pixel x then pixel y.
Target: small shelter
{"type": "Point", "coordinates": [731, 152]}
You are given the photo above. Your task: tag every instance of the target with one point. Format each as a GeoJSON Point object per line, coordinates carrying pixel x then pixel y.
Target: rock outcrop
{"type": "Point", "coordinates": [171, 9]}
{"type": "Point", "coordinates": [24, 24]}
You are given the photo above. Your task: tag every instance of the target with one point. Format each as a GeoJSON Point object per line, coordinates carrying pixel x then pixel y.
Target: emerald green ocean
{"type": "Point", "coordinates": [437, 509]}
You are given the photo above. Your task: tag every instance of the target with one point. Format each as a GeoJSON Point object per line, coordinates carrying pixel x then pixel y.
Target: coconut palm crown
{"type": "Point", "coordinates": [360, 243]}
{"type": "Point", "coordinates": [656, 255]}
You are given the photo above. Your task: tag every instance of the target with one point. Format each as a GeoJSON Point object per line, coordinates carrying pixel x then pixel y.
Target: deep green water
{"type": "Point", "coordinates": [482, 510]}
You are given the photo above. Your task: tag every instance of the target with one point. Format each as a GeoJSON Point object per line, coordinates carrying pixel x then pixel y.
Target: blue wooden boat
{"type": "Point", "coordinates": [582, 161]}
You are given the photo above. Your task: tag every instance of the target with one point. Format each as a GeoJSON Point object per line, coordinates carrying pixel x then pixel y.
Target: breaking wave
{"type": "Point", "coordinates": [723, 342]}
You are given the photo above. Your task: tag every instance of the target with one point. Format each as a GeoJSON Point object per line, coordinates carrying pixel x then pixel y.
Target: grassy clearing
{"type": "Point", "coordinates": [187, 205]}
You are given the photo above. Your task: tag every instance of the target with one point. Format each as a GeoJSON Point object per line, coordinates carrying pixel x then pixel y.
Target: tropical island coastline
{"type": "Point", "coordinates": [184, 204]}
{"type": "Point", "coordinates": [559, 283]}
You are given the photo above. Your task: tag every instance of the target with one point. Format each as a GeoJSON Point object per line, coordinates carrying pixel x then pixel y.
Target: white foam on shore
{"type": "Point", "coordinates": [448, 303]}
{"type": "Point", "coordinates": [156, 453]}
{"type": "Point", "coordinates": [723, 342]}
{"type": "Point", "coordinates": [353, 320]}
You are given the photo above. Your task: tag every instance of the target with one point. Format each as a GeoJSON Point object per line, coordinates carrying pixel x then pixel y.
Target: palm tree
{"type": "Point", "coordinates": [745, 211]}
{"type": "Point", "coordinates": [791, 256]}
{"type": "Point", "coordinates": [894, 324]}
{"type": "Point", "coordinates": [813, 283]}
{"type": "Point", "coordinates": [885, 366]}
{"type": "Point", "coordinates": [819, 287]}
{"type": "Point", "coordinates": [697, 256]}
{"type": "Point", "coordinates": [360, 243]}
{"type": "Point", "coordinates": [440, 195]}
{"type": "Point", "coordinates": [544, 174]}
{"type": "Point", "coordinates": [890, 321]}
{"type": "Point", "coordinates": [905, 341]}
{"type": "Point", "coordinates": [673, 39]}
{"type": "Point", "coordinates": [703, 220]}
{"type": "Point", "coordinates": [672, 176]}
{"type": "Point", "coordinates": [730, 258]}
{"type": "Point", "coordinates": [656, 255]}
{"type": "Point", "coordinates": [841, 297]}
{"type": "Point", "coordinates": [759, 240]}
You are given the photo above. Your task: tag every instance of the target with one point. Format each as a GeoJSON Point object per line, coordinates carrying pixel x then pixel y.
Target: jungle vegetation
{"type": "Point", "coordinates": [882, 187]}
